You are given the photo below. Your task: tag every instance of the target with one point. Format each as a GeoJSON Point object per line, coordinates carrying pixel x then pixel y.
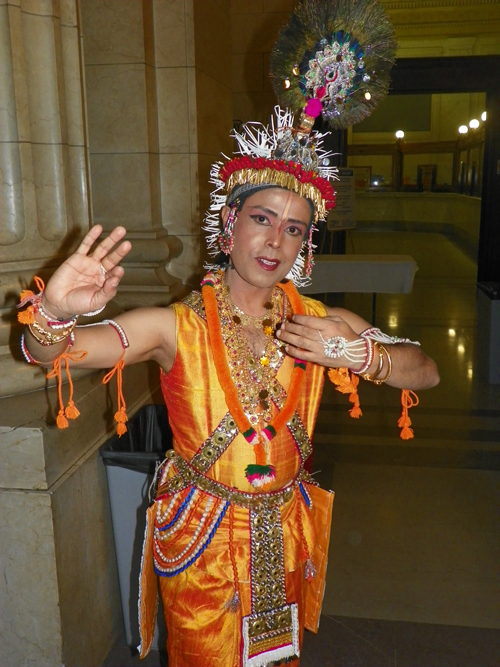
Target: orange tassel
{"type": "Point", "coordinates": [26, 316]}
{"type": "Point", "coordinates": [121, 429]}
{"type": "Point", "coordinates": [26, 294]}
{"type": "Point", "coordinates": [121, 414]}
{"type": "Point", "coordinates": [409, 399]}
{"type": "Point", "coordinates": [71, 411]}
{"type": "Point", "coordinates": [347, 383]}
{"type": "Point", "coordinates": [61, 420]}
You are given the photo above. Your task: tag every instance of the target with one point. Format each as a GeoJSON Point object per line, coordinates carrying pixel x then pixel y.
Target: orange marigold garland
{"type": "Point", "coordinates": [261, 472]}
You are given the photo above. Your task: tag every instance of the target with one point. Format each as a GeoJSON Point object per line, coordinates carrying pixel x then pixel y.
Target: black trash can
{"type": "Point", "coordinates": [488, 334]}
{"type": "Point", "coordinates": [130, 465]}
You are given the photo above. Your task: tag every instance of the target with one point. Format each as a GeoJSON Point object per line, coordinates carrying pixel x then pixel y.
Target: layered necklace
{"type": "Point", "coordinates": [250, 384]}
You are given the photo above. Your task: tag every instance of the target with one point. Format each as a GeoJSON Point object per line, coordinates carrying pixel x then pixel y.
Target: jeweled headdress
{"type": "Point", "coordinates": [332, 60]}
{"type": "Point", "coordinates": [280, 156]}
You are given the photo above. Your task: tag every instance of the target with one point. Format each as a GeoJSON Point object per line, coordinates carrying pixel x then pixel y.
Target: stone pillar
{"type": "Point", "coordinates": [45, 186]}
{"type": "Point", "coordinates": [158, 101]}
{"type": "Point", "coordinates": [60, 602]}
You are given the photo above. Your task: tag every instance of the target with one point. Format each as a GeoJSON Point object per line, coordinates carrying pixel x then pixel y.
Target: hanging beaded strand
{"type": "Point", "coordinates": [225, 238]}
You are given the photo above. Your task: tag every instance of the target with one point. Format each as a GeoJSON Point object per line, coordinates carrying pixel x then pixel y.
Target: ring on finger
{"type": "Point", "coordinates": [102, 269]}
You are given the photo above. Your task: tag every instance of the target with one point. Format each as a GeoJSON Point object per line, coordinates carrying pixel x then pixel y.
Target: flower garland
{"type": "Point", "coordinates": [259, 473]}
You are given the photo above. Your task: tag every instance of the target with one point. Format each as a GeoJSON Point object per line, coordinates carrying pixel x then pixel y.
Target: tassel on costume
{"type": "Point", "coordinates": [70, 411]}
{"type": "Point", "coordinates": [347, 383]}
{"type": "Point", "coordinates": [120, 416]}
{"type": "Point", "coordinates": [409, 399]}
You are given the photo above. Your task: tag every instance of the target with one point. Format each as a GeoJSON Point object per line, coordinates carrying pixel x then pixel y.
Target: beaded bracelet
{"type": "Point", "coordinates": [338, 346]}
{"type": "Point", "coordinates": [368, 359]}
{"type": "Point", "coordinates": [119, 330]}
{"type": "Point", "coordinates": [376, 335]}
{"type": "Point", "coordinates": [47, 338]}
{"type": "Point", "coordinates": [26, 353]}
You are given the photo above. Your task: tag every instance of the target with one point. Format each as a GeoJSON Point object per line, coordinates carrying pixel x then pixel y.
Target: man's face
{"type": "Point", "coordinates": [268, 235]}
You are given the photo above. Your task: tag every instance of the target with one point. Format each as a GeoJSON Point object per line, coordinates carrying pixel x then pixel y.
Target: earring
{"type": "Point", "coordinates": [310, 249]}
{"type": "Point", "coordinates": [225, 239]}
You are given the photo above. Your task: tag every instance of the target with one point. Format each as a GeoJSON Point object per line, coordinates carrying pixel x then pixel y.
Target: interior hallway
{"type": "Point", "coordinates": [413, 577]}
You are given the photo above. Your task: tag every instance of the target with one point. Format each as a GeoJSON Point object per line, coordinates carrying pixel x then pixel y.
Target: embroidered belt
{"type": "Point", "coordinates": [188, 476]}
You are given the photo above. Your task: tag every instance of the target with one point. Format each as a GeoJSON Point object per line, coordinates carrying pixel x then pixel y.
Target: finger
{"type": "Point", "coordinates": [303, 331]}
{"type": "Point", "coordinates": [299, 353]}
{"type": "Point", "coordinates": [297, 340]}
{"type": "Point", "coordinates": [110, 286]}
{"type": "Point", "coordinates": [89, 239]}
{"type": "Point", "coordinates": [315, 322]}
{"type": "Point", "coordinates": [107, 244]}
{"type": "Point", "coordinates": [115, 257]}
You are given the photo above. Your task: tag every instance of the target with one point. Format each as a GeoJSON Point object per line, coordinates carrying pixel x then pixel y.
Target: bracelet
{"type": "Point", "coordinates": [47, 338]}
{"type": "Point", "coordinates": [368, 360]}
{"type": "Point", "coordinates": [338, 346]}
{"type": "Point", "coordinates": [119, 330]}
{"type": "Point", "coordinates": [55, 323]}
{"type": "Point", "coordinates": [376, 335]}
{"type": "Point", "coordinates": [26, 353]}
{"type": "Point", "coordinates": [94, 312]}
{"type": "Point", "coordinates": [380, 381]}
{"type": "Point", "coordinates": [374, 377]}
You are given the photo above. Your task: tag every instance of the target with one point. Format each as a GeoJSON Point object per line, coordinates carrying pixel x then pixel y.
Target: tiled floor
{"type": "Point", "coordinates": [413, 578]}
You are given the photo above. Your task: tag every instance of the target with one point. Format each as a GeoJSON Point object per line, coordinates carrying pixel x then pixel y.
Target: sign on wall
{"type": "Point", "coordinates": [342, 216]}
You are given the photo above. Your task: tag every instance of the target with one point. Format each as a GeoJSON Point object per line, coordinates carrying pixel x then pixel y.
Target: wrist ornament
{"type": "Point", "coordinates": [383, 353]}
{"type": "Point", "coordinates": [338, 346]}
{"type": "Point", "coordinates": [47, 338]}
{"type": "Point", "coordinates": [376, 335]}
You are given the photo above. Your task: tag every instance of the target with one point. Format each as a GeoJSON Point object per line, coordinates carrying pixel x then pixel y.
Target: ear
{"type": "Point", "coordinates": [224, 214]}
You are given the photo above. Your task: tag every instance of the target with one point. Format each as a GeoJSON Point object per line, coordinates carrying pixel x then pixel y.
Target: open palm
{"type": "Point", "coordinates": [88, 279]}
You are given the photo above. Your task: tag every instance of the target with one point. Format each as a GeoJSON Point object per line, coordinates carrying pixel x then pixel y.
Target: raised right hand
{"type": "Point", "coordinates": [87, 280]}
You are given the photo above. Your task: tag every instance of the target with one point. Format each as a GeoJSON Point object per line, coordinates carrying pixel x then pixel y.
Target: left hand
{"type": "Point", "coordinates": [302, 336]}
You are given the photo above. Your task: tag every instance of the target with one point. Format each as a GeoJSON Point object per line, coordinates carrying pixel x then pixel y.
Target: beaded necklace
{"type": "Point", "coordinates": [259, 435]}
{"type": "Point", "coordinates": [254, 377]}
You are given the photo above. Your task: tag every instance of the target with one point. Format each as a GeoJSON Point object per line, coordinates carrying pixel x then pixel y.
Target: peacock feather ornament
{"type": "Point", "coordinates": [333, 58]}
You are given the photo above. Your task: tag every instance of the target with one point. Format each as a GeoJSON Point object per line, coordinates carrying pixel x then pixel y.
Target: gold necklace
{"type": "Point", "coordinates": [266, 322]}
{"type": "Point", "coordinates": [254, 377]}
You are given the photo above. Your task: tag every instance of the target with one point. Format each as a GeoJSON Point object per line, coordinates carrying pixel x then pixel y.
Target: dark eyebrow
{"type": "Point", "coordinates": [271, 212]}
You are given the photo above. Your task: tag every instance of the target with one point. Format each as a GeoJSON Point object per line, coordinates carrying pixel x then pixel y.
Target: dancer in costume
{"type": "Point", "coordinates": [237, 536]}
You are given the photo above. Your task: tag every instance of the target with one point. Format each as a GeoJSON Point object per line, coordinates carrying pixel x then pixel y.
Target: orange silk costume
{"type": "Point", "coordinates": [199, 537]}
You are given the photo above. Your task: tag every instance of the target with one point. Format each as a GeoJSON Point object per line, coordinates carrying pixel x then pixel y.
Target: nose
{"type": "Point", "coordinates": [274, 238]}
